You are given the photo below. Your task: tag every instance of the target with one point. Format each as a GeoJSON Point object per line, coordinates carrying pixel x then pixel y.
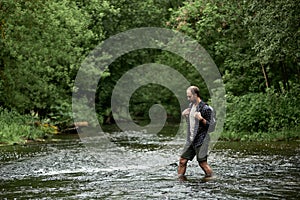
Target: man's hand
{"type": "Point", "coordinates": [198, 116]}
{"type": "Point", "coordinates": [186, 112]}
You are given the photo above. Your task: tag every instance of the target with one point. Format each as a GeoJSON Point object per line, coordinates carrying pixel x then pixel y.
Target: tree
{"type": "Point", "coordinates": [42, 43]}
{"type": "Point", "coordinates": [133, 14]}
{"type": "Point", "coordinates": [42, 46]}
{"type": "Point", "coordinates": [218, 26]}
{"type": "Point", "coordinates": [274, 30]}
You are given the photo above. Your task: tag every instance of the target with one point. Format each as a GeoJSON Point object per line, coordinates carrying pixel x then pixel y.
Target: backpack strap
{"type": "Point", "coordinates": [201, 106]}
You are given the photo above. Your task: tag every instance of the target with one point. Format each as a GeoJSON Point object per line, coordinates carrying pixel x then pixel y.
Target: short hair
{"type": "Point", "coordinates": [194, 90]}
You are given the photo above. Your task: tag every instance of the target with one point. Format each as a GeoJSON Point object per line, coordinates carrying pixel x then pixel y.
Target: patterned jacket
{"type": "Point", "coordinates": [200, 130]}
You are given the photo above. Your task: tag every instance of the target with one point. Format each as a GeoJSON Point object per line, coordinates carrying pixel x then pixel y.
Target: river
{"type": "Point", "coordinates": [138, 166]}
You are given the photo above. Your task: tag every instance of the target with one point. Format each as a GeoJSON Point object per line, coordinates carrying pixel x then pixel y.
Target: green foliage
{"type": "Point", "coordinates": [274, 26]}
{"type": "Point", "coordinates": [41, 52]}
{"type": "Point", "coordinates": [147, 96]}
{"type": "Point", "coordinates": [283, 135]}
{"type": "Point", "coordinates": [218, 26]}
{"type": "Point", "coordinates": [61, 115]}
{"type": "Point", "coordinates": [128, 15]}
{"type": "Point", "coordinates": [254, 44]}
{"type": "Point", "coordinates": [263, 112]}
{"type": "Point", "coordinates": [186, 69]}
{"type": "Point", "coordinates": [42, 46]}
{"type": "Point", "coordinates": [136, 13]}
{"type": "Point", "coordinates": [16, 128]}
{"type": "Point", "coordinates": [274, 32]}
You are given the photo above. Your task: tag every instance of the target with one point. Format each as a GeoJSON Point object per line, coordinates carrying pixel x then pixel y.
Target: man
{"type": "Point", "coordinates": [198, 117]}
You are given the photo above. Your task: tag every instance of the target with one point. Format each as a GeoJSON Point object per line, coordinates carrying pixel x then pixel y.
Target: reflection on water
{"type": "Point", "coordinates": [141, 166]}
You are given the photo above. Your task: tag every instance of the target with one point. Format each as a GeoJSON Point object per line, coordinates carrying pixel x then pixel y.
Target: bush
{"type": "Point", "coordinates": [16, 128]}
{"type": "Point", "coordinates": [263, 112]}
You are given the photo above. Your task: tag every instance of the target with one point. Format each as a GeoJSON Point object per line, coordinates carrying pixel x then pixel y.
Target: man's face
{"type": "Point", "coordinates": [191, 97]}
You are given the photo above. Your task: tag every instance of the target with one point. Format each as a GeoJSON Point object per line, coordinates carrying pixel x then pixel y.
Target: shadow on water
{"type": "Point", "coordinates": [143, 166]}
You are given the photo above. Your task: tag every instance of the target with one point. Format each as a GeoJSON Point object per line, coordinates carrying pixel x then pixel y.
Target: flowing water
{"type": "Point", "coordinates": [139, 166]}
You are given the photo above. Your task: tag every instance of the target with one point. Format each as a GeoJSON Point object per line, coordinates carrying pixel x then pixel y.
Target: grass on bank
{"type": "Point", "coordinates": [283, 135]}
{"type": "Point", "coordinates": [18, 129]}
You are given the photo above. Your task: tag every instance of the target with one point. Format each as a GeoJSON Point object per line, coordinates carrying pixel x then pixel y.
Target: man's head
{"type": "Point", "coordinates": [193, 93]}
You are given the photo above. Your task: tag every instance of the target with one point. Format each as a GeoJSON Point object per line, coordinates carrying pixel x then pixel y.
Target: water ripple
{"type": "Point", "coordinates": [68, 170]}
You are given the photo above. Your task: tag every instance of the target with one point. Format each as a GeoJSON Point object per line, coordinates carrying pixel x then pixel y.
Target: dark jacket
{"type": "Point", "coordinates": [200, 129]}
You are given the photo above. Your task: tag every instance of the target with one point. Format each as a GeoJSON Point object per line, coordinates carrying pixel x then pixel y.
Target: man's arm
{"type": "Point", "coordinates": [206, 118]}
{"type": "Point", "coordinates": [186, 112]}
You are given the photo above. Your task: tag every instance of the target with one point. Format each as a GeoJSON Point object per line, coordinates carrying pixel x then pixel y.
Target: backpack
{"type": "Point", "coordinates": [213, 120]}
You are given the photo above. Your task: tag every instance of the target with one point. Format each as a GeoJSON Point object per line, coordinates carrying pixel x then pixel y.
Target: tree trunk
{"type": "Point", "coordinates": [285, 77]}
{"type": "Point", "coordinates": [265, 75]}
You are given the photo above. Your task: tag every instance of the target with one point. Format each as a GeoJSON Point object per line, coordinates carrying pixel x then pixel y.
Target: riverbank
{"type": "Point", "coordinates": [16, 128]}
{"type": "Point", "coordinates": [22, 129]}
{"type": "Point", "coordinates": [31, 134]}
{"type": "Point", "coordinates": [284, 135]}
{"type": "Point", "coordinates": [47, 133]}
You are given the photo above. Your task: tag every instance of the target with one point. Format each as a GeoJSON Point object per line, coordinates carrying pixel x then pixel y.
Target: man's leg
{"type": "Point", "coordinates": [202, 154]}
{"type": "Point", "coordinates": [206, 168]}
{"type": "Point", "coordinates": [182, 166]}
{"type": "Point", "coordinates": [188, 154]}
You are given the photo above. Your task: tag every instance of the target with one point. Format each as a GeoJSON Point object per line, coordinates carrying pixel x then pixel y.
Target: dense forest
{"type": "Point", "coordinates": [255, 45]}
